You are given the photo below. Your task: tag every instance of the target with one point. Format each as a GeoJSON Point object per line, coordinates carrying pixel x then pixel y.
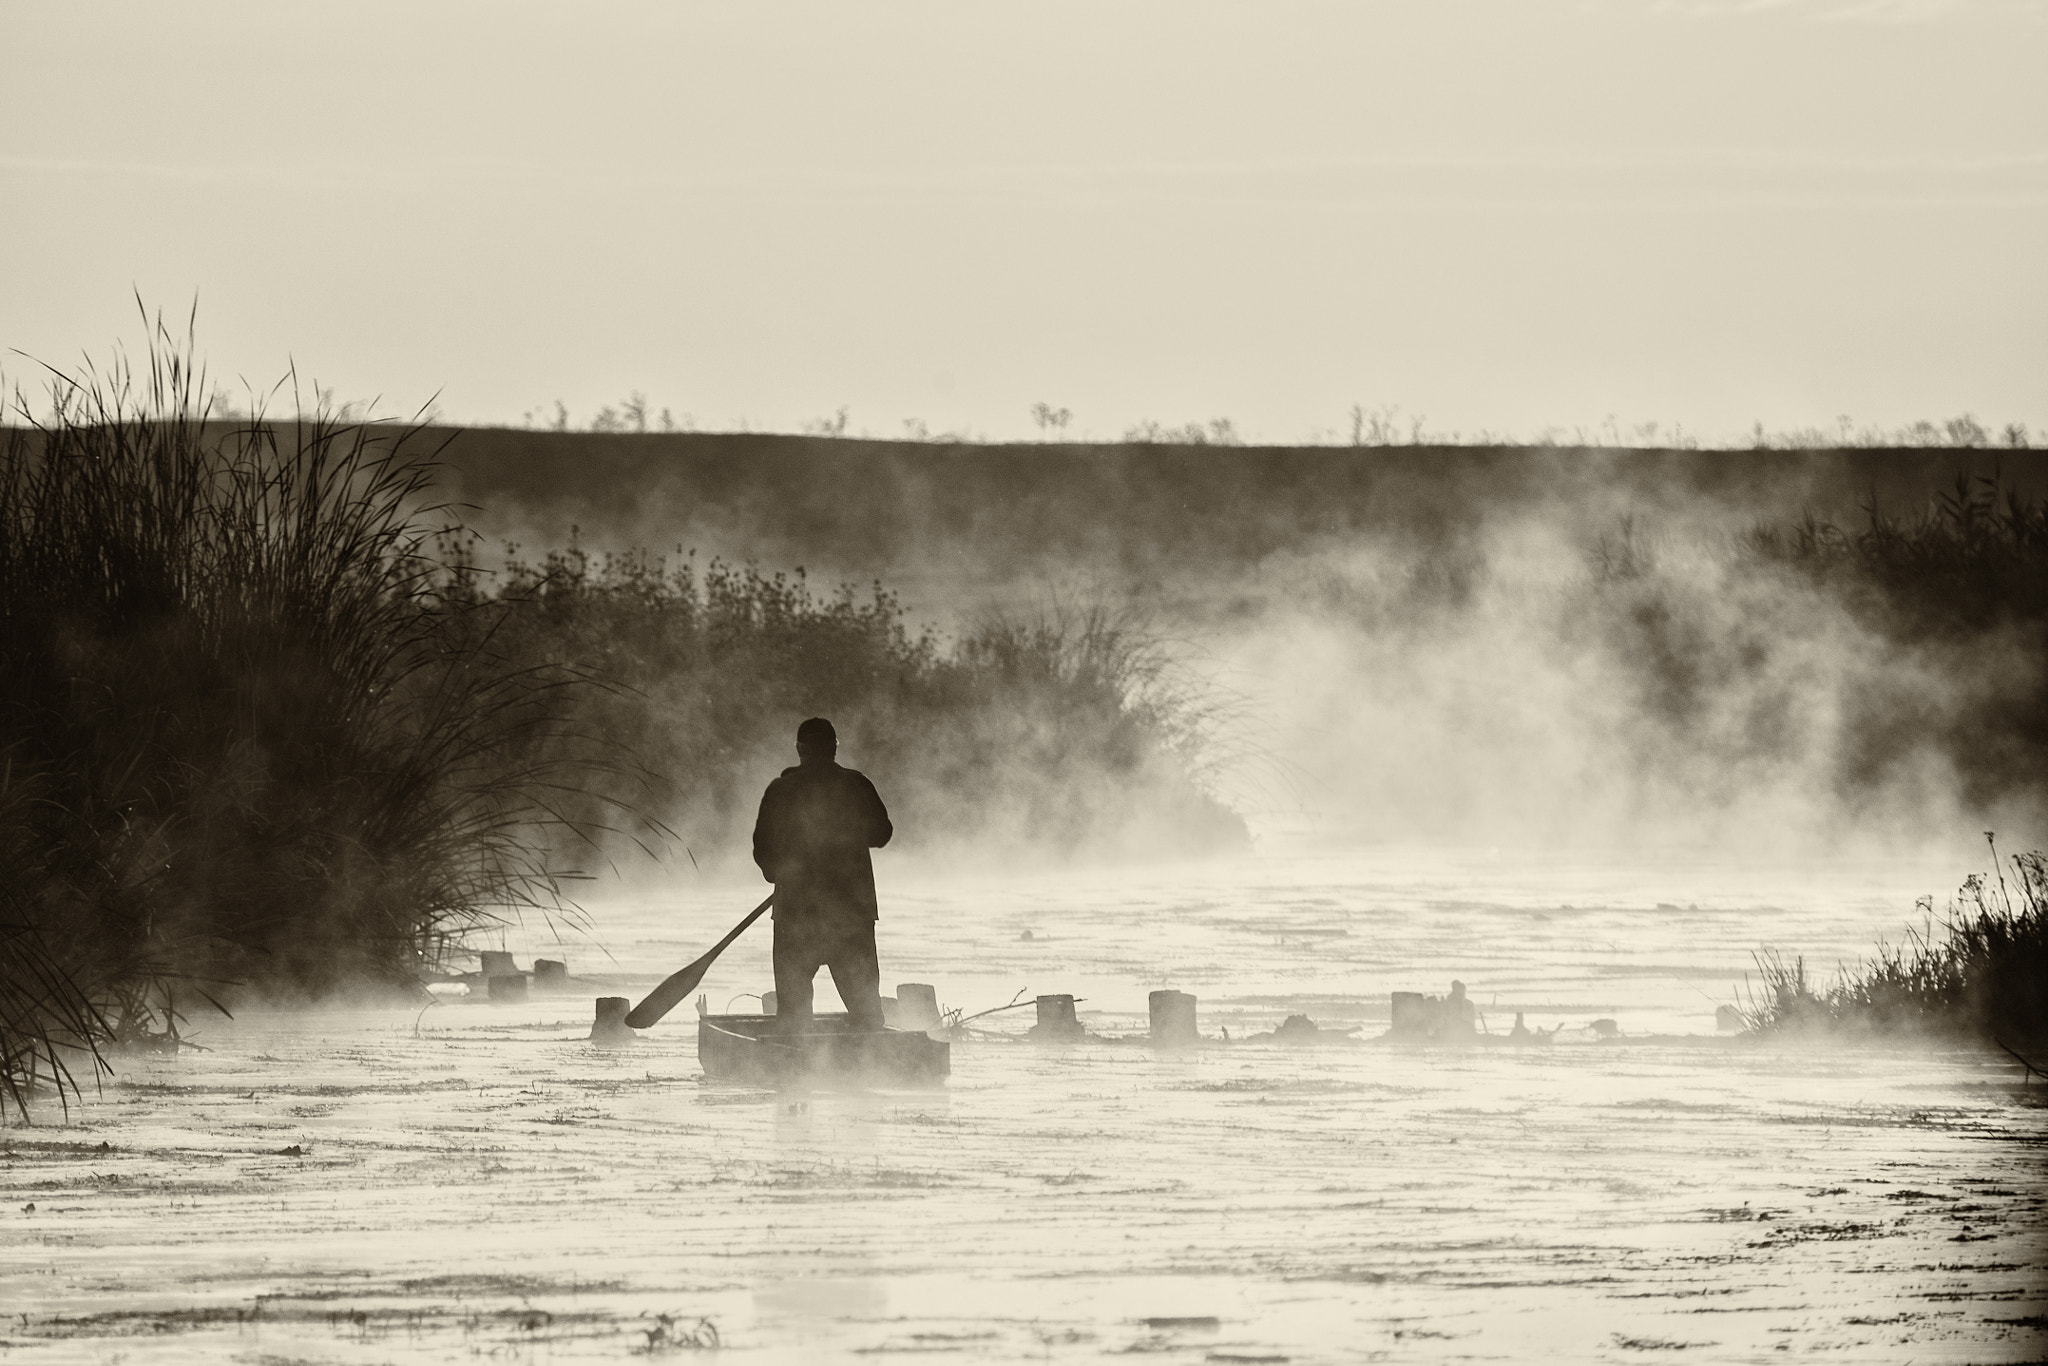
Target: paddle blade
{"type": "Point", "coordinates": [663, 998]}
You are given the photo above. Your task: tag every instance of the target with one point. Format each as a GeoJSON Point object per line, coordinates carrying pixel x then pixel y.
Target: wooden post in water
{"type": "Point", "coordinates": [610, 1026]}
{"type": "Point", "coordinates": [1173, 1020]}
{"type": "Point", "coordinates": [1056, 1019]}
{"type": "Point", "coordinates": [917, 1006]}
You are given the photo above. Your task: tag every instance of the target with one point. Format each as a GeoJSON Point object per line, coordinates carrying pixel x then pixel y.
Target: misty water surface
{"type": "Point", "coordinates": [390, 1185]}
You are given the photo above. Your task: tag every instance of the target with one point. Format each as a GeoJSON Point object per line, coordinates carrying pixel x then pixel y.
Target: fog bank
{"type": "Point", "coordinates": [1472, 645]}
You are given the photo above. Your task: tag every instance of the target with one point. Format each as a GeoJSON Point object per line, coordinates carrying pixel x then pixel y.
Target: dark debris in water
{"type": "Point", "coordinates": [154, 1323]}
{"type": "Point", "coordinates": [1297, 1086]}
{"type": "Point", "coordinates": [1741, 1214]}
{"type": "Point", "coordinates": [1820, 1233]}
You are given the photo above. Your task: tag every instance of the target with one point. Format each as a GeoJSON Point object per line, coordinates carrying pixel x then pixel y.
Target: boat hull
{"type": "Point", "coordinates": [750, 1048]}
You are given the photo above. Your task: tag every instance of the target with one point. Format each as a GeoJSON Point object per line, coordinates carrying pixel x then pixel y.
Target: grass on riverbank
{"type": "Point", "coordinates": [1982, 973]}
{"type": "Point", "coordinates": [244, 736]}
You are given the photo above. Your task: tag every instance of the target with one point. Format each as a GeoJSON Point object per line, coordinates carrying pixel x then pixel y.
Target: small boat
{"type": "Point", "coordinates": [751, 1048]}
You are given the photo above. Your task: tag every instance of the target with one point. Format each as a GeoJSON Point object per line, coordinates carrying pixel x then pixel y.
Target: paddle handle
{"type": "Point", "coordinates": [677, 985]}
{"type": "Point", "coordinates": [738, 929]}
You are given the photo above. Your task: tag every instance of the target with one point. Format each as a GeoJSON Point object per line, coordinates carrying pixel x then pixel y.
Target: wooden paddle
{"type": "Point", "coordinates": [663, 998]}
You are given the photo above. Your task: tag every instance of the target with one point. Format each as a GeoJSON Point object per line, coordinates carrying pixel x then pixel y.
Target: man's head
{"type": "Point", "coordinates": [816, 740]}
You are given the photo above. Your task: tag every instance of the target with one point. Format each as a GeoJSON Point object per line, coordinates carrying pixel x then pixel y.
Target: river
{"type": "Point", "coordinates": [471, 1179]}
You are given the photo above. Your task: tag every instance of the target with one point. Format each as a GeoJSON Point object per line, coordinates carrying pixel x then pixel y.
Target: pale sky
{"type": "Point", "coordinates": [1496, 214]}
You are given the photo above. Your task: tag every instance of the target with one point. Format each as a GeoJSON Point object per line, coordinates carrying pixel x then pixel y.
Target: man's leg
{"type": "Point", "coordinates": [857, 972]}
{"type": "Point", "coordinates": [796, 963]}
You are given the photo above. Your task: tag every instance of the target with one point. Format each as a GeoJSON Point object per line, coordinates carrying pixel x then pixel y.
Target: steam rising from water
{"type": "Point", "coordinates": [1441, 645]}
{"type": "Point", "coordinates": [1517, 690]}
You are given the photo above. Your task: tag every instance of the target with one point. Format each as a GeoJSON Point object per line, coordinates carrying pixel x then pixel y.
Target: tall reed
{"type": "Point", "coordinates": [248, 736]}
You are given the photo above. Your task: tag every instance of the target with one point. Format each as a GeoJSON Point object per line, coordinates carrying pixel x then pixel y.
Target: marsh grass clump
{"type": "Point", "coordinates": [1072, 726]}
{"type": "Point", "coordinates": [245, 737]}
{"type": "Point", "coordinates": [1063, 730]}
{"type": "Point", "coordinates": [1982, 973]}
{"type": "Point", "coordinates": [701, 667]}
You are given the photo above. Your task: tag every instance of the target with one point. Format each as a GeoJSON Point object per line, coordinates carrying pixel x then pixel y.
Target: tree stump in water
{"type": "Point", "coordinates": [917, 1005]}
{"type": "Point", "coordinates": [1173, 1020]}
{"type": "Point", "coordinates": [549, 975]}
{"type": "Point", "coordinates": [610, 1026]}
{"type": "Point", "coordinates": [1056, 1019]}
{"type": "Point", "coordinates": [497, 963]}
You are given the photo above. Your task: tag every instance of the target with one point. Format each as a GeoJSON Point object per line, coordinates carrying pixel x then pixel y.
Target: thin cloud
{"type": "Point", "coordinates": [1853, 11]}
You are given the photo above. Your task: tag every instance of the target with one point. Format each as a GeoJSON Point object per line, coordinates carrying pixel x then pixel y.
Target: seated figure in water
{"type": "Point", "coordinates": [812, 837]}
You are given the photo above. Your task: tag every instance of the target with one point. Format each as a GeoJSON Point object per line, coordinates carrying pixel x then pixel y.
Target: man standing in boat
{"type": "Point", "coordinates": [817, 823]}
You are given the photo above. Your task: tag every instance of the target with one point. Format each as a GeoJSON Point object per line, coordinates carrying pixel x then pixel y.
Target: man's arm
{"type": "Point", "coordinates": [876, 816]}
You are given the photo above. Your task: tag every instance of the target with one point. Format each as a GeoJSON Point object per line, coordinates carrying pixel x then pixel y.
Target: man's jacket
{"type": "Point", "coordinates": [817, 823]}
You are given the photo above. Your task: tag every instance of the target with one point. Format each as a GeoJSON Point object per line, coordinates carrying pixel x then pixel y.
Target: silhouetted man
{"type": "Point", "coordinates": [817, 823]}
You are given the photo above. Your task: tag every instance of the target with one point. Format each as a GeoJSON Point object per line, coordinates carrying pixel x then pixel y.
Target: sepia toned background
{"type": "Point", "coordinates": [1505, 216]}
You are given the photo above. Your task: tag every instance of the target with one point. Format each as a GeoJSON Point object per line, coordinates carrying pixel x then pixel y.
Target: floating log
{"type": "Point", "coordinates": [550, 975]}
{"type": "Point", "coordinates": [509, 989]}
{"type": "Point", "coordinates": [1173, 1019]}
{"type": "Point", "coordinates": [917, 1005]}
{"type": "Point", "coordinates": [610, 1025]}
{"type": "Point", "coordinates": [1056, 1019]}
